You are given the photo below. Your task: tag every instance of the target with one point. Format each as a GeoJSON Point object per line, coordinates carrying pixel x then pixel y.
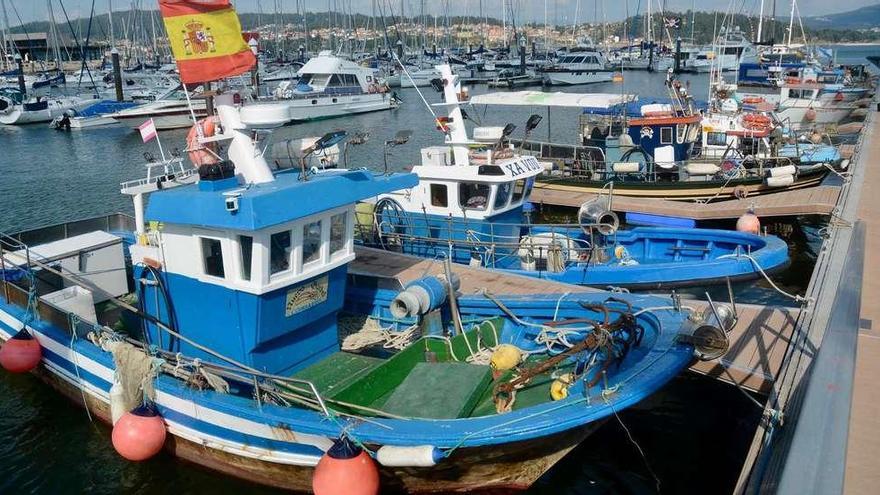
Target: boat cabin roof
{"type": "Point", "coordinates": [268, 204]}
{"type": "Point", "coordinates": [328, 64]}
{"type": "Point", "coordinates": [558, 99]}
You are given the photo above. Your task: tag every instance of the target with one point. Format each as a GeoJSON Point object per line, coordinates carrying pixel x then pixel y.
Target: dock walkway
{"type": "Point", "coordinates": [818, 200]}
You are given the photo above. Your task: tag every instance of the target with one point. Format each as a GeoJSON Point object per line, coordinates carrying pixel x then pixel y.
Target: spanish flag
{"type": "Point", "coordinates": [205, 38]}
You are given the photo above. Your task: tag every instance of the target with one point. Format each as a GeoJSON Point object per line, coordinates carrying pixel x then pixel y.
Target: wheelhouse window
{"type": "Point", "coordinates": [519, 190]}
{"type": "Point", "coordinates": [680, 133]}
{"type": "Point", "coordinates": [473, 195]}
{"type": "Point", "coordinates": [212, 257]}
{"type": "Point", "coordinates": [439, 195]}
{"type": "Point", "coordinates": [311, 242]}
{"type": "Point", "coordinates": [338, 227]}
{"type": "Point", "coordinates": [716, 139]}
{"type": "Point", "coordinates": [502, 197]}
{"type": "Point", "coordinates": [246, 250]}
{"type": "Point", "coordinates": [279, 252]}
{"type": "Point", "coordinates": [666, 135]}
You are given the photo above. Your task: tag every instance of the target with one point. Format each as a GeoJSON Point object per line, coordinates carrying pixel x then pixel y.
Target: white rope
{"type": "Point", "coordinates": [372, 333]}
{"type": "Point", "coordinates": [796, 297]}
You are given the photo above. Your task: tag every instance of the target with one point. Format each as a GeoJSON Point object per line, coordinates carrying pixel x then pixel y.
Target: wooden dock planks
{"type": "Point", "coordinates": [757, 342]}
{"type": "Point", "coordinates": [862, 474]}
{"type": "Point", "coordinates": [818, 200]}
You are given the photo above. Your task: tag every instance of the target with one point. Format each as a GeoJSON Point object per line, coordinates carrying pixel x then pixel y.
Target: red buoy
{"type": "Point", "coordinates": [139, 434]}
{"type": "Point", "coordinates": [346, 470]}
{"type": "Point", "coordinates": [749, 223]}
{"type": "Point", "coordinates": [21, 353]}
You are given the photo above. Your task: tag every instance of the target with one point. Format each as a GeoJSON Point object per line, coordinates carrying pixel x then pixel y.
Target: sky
{"type": "Point", "coordinates": [560, 11]}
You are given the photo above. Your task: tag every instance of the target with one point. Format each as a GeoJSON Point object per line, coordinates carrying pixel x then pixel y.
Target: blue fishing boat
{"type": "Point", "coordinates": [223, 324]}
{"type": "Point", "coordinates": [468, 207]}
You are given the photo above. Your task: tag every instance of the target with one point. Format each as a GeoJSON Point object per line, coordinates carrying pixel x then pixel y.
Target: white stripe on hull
{"type": "Point", "coordinates": [181, 406]}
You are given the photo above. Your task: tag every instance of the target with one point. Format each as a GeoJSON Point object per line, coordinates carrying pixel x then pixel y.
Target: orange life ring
{"type": "Point", "coordinates": [202, 153]}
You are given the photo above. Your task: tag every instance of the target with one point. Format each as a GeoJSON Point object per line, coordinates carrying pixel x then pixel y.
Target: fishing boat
{"type": "Point", "coordinates": [652, 148]}
{"type": "Point", "coordinates": [330, 86]}
{"type": "Point", "coordinates": [468, 207]}
{"type": "Point", "coordinates": [466, 392]}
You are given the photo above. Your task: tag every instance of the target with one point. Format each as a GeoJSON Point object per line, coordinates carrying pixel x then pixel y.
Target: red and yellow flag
{"type": "Point", "coordinates": [206, 40]}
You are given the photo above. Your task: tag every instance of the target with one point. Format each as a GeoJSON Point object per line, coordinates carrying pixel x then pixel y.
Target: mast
{"type": "Point", "coordinates": [7, 42]}
{"type": "Point", "coordinates": [53, 31]}
{"type": "Point", "coordinates": [791, 22]}
{"type": "Point", "coordinates": [760, 21]}
{"type": "Point", "coordinates": [110, 20]}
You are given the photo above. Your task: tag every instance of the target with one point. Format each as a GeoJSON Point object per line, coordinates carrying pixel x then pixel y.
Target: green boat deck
{"type": "Point", "coordinates": [427, 379]}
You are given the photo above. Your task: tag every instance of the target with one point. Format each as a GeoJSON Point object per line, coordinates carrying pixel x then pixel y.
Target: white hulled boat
{"type": "Point", "coordinates": [330, 86]}
{"type": "Point", "coordinates": [582, 65]}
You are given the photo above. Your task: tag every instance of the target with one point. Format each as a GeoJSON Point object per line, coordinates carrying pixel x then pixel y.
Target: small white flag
{"type": "Point", "coordinates": [148, 130]}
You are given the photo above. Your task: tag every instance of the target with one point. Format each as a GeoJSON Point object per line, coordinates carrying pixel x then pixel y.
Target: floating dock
{"type": "Point", "coordinates": [820, 431]}
{"type": "Point", "coordinates": [818, 200]}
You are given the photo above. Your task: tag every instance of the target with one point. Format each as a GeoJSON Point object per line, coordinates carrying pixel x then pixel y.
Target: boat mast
{"type": "Point", "coordinates": [7, 42]}
{"type": "Point", "coordinates": [110, 20]}
{"type": "Point", "coordinates": [53, 32]}
{"type": "Point", "coordinates": [760, 22]}
{"type": "Point", "coordinates": [791, 22]}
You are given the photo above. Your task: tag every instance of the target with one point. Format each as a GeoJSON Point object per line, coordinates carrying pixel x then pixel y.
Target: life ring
{"type": "Point", "coordinates": [756, 121]}
{"type": "Point", "coordinates": [202, 153]}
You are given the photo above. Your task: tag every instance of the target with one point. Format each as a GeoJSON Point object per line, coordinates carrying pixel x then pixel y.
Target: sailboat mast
{"type": "Point", "coordinates": [7, 42]}
{"type": "Point", "coordinates": [53, 32]}
{"type": "Point", "coordinates": [791, 22]}
{"type": "Point", "coordinates": [110, 20]}
{"type": "Point", "coordinates": [760, 21]}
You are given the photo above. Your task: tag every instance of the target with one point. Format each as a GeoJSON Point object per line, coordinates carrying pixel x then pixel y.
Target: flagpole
{"type": "Point", "coordinates": [158, 141]}
{"type": "Point", "coordinates": [192, 112]}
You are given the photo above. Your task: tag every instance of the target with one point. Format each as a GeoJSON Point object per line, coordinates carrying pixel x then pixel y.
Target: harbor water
{"type": "Point", "coordinates": [689, 438]}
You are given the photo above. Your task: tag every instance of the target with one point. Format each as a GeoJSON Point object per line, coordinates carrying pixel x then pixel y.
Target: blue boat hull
{"type": "Point", "coordinates": [279, 446]}
{"type": "Point", "coordinates": [653, 257]}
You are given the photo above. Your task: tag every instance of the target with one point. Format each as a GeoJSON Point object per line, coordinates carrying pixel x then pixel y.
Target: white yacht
{"type": "Point", "coordinates": [16, 109]}
{"type": "Point", "coordinates": [170, 111]}
{"type": "Point", "coordinates": [329, 86]}
{"type": "Point", "coordinates": [730, 48]}
{"type": "Point", "coordinates": [582, 65]}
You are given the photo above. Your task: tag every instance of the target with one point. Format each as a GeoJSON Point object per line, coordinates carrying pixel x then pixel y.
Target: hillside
{"type": "Point", "coordinates": [863, 18]}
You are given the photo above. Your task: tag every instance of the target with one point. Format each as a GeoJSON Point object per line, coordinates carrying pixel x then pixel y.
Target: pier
{"type": "Point", "coordinates": [818, 200]}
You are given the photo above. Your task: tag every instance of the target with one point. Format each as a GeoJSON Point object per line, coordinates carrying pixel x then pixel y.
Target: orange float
{"type": "Point", "coordinates": [21, 353]}
{"type": "Point", "coordinates": [139, 434]}
{"type": "Point", "coordinates": [345, 469]}
{"type": "Point", "coordinates": [749, 223]}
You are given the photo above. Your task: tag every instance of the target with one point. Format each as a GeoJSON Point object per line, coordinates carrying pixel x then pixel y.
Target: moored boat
{"type": "Point", "coordinates": [468, 207]}
{"type": "Point", "coordinates": [266, 397]}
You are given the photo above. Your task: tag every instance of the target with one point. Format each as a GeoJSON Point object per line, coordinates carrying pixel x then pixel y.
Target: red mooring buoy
{"type": "Point", "coordinates": [21, 353]}
{"type": "Point", "coordinates": [749, 223]}
{"type": "Point", "coordinates": [345, 469]}
{"type": "Point", "coordinates": [139, 434]}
